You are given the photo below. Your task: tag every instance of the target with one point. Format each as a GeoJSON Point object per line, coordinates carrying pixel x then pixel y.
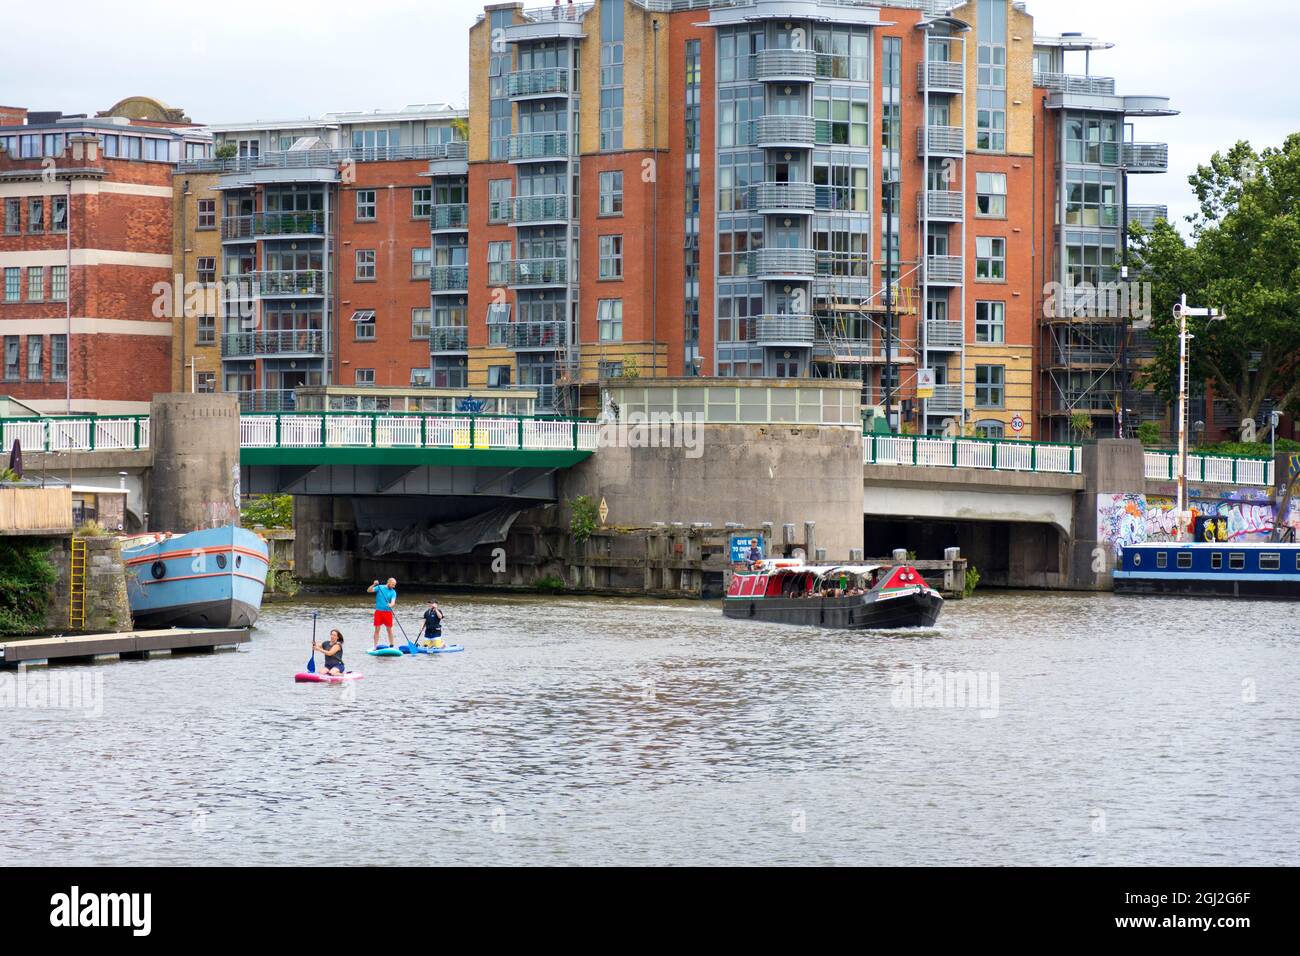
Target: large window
{"type": "Point", "coordinates": [609, 319]}
{"type": "Point", "coordinates": [58, 214]}
{"type": "Point", "coordinates": [843, 115]}
{"type": "Point", "coordinates": [58, 283]}
{"type": "Point", "coordinates": [499, 263]}
{"type": "Point", "coordinates": [13, 217]}
{"type": "Point", "coordinates": [611, 74]}
{"type": "Point", "coordinates": [58, 358]}
{"type": "Point", "coordinates": [35, 283]}
{"type": "Point", "coordinates": [13, 345]}
{"type": "Point", "coordinates": [13, 284]}
{"type": "Point", "coordinates": [611, 192]}
{"type": "Point", "coordinates": [991, 195]}
{"type": "Point", "coordinates": [1091, 198]}
{"type": "Point", "coordinates": [421, 323]}
{"type": "Point", "coordinates": [35, 353]}
{"type": "Point", "coordinates": [421, 260]}
{"type": "Point", "coordinates": [499, 193]}
{"type": "Point", "coordinates": [990, 258]}
{"type": "Point", "coordinates": [990, 381]}
{"type": "Point", "coordinates": [990, 322]}
{"type": "Point", "coordinates": [1093, 141]}
{"type": "Point", "coordinates": [35, 216]}
{"type": "Point", "coordinates": [611, 257]}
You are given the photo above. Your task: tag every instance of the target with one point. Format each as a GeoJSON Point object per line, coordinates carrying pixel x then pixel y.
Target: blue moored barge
{"type": "Point", "coordinates": [209, 578]}
{"type": "Point", "coordinates": [1246, 570]}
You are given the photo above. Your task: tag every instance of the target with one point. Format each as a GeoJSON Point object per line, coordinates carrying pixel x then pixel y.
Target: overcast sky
{"type": "Point", "coordinates": [1233, 76]}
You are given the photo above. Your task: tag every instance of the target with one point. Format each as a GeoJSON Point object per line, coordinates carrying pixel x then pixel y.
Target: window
{"type": "Point", "coordinates": [611, 74]}
{"type": "Point", "coordinates": [498, 376]}
{"type": "Point", "coordinates": [422, 202]}
{"type": "Point", "coordinates": [611, 193]}
{"type": "Point", "coordinates": [365, 205]}
{"type": "Point", "coordinates": [365, 376]}
{"type": "Point", "coordinates": [990, 321]}
{"type": "Point", "coordinates": [1271, 561]}
{"type": "Point", "coordinates": [421, 323]}
{"type": "Point", "coordinates": [1236, 561]}
{"type": "Point", "coordinates": [1185, 559]}
{"type": "Point", "coordinates": [58, 358]}
{"type": "Point", "coordinates": [13, 283]}
{"type": "Point", "coordinates": [499, 263]}
{"type": "Point", "coordinates": [12, 345]}
{"type": "Point", "coordinates": [58, 283]}
{"type": "Point", "coordinates": [1216, 561]}
{"type": "Point", "coordinates": [609, 319]}
{"type": "Point", "coordinates": [13, 217]}
{"type": "Point", "coordinates": [58, 214]}
{"type": "Point", "coordinates": [35, 216]}
{"type": "Point", "coordinates": [421, 263]}
{"type": "Point", "coordinates": [500, 192]}
{"type": "Point", "coordinates": [990, 429]}
{"type": "Point", "coordinates": [365, 265]}
{"type": "Point", "coordinates": [35, 283]}
{"type": "Point", "coordinates": [206, 266]}
{"type": "Point", "coordinates": [1162, 559]}
{"type": "Point", "coordinates": [207, 330]}
{"type": "Point", "coordinates": [205, 382]}
{"type": "Point", "coordinates": [990, 258]}
{"type": "Point", "coordinates": [611, 257]}
{"type": "Point", "coordinates": [363, 325]}
{"type": "Point", "coordinates": [35, 350]}
{"type": "Point", "coordinates": [989, 382]}
{"type": "Point", "coordinates": [207, 214]}
{"type": "Point", "coordinates": [991, 195]}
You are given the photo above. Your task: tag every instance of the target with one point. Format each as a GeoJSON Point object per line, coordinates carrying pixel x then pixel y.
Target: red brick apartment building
{"type": "Point", "coordinates": [85, 234]}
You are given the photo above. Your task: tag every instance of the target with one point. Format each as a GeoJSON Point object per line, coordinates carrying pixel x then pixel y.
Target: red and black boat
{"type": "Point", "coordinates": [867, 597]}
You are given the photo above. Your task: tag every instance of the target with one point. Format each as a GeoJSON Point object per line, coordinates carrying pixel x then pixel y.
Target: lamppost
{"type": "Point", "coordinates": [1181, 312]}
{"type": "Point", "coordinates": [1274, 419]}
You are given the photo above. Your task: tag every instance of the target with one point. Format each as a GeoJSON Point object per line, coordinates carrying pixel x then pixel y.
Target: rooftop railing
{"type": "Point", "coordinates": [306, 158]}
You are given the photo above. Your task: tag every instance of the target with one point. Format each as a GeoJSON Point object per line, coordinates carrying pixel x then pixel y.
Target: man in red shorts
{"type": "Point", "coordinates": [385, 598]}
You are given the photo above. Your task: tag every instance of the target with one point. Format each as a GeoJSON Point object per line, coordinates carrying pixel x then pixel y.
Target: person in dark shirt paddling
{"type": "Point", "coordinates": [333, 651]}
{"type": "Point", "coordinates": [433, 624]}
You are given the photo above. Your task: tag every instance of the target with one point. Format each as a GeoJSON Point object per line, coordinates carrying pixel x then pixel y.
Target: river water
{"type": "Point", "coordinates": [1089, 729]}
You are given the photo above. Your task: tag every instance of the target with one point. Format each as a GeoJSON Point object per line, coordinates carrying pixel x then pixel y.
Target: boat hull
{"type": "Point", "coordinates": [918, 607]}
{"type": "Point", "coordinates": [1221, 587]}
{"type": "Point", "coordinates": [210, 578]}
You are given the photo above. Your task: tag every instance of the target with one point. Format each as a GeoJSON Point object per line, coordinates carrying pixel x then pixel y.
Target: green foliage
{"type": "Point", "coordinates": [1149, 433]}
{"type": "Point", "coordinates": [91, 529]}
{"type": "Point", "coordinates": [1250, 449]}
{"type": "Point", "coordinates": [1081, 424]}
{"type": "Point", "coordinates": [550, 585]}
{"type": "Point", "coordinates": [8, 474]}
{"type": "Point", "coordinates": [1243, 260]}
{"type": "Point", "coordinates": [972, 580]}
{"type": "Point", "coordinates": [267, 511]}
{"type": "Point", "coordinates": [585, 518]}
{"type": "Point", "coordinates": [27, 581]}
{"type": "Point", "coordinates": [227, 151]}
{"type": "Point", "coordinates": [461, 126]}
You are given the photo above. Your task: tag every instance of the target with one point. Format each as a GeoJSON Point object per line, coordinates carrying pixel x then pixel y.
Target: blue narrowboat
{"type": "Point", "coordinates": [209, 578]}
{"type": "Point", "coordinates": [1247, 570]}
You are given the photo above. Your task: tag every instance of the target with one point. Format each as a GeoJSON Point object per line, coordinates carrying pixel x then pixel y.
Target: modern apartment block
{"type": "Point", "coordinates": [750, 187]}
{"type": "Point", "coordinates": [85, 238]}
{"type": "Point", "coordinates": [317, 233]}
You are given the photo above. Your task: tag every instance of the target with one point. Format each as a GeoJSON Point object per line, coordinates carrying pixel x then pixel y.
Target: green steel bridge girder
{"type": "Point", "coordinates": [413, 457]}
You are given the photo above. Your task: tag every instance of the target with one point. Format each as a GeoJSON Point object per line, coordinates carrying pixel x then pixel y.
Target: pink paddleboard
{"type": "Point", "coordinates": [305, 678]}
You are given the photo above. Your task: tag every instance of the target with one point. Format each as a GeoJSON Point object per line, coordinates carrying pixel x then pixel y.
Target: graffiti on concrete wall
{"type": "Point", "coordinates": [1134, 519]}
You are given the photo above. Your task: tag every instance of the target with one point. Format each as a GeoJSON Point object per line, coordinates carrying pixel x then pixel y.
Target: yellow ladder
{"type": "Point", "coordinates": [77, 586]}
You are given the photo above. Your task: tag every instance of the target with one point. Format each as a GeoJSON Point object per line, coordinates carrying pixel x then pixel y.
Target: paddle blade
{"type": "Point", "coordinates": [311, 663]}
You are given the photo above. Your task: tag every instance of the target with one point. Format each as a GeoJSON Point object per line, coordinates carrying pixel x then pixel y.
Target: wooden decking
{"type": "Point", "coordinates": [131, 645]}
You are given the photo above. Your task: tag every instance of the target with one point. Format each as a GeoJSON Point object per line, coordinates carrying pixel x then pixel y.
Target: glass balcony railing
{"type": "Point", "coordinates": [449, 278]}
{"type": "Point", "coordinates": [533, 209]}
{"type": "Point", "coordinates": [526, 147]}
{"type": "Point", "coordinates": [295, 342]}
{"type": "Point", "coordinates": [784, 330]}
{"type": "Point", "coordinates": [784, 263]}
{"type": "Point", "coordinates": [783, 197]}
{"type": "Point", "coordinates": [273, 224]}
{"type": "Point", "coordinates": [1071, 83]}
{"type": "Point", "coordinates": [546, 82]}
{"type": "Point", "coordinates": [449, 338]}
{"type": "Point", "coordinates": [797, 131]}
{"type": "Point", "coordinates": [1145, 157]}
{"type": "Point", "coordinates": [785, 65]}
{"type": "Point", "coordinates": [528, 335]}
{"type": "Point", "coordinates": [289, 283]}
{"type": "Point", "coordinates": [537, 272]}
{"type": "Point", "coordinates": [453, 216]}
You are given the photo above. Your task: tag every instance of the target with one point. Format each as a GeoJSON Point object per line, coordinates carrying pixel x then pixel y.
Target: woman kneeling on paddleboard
{"type": "Point", "coordinates": [333, 651]}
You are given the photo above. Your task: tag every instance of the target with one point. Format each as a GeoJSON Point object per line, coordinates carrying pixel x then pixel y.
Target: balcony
{"type": "Point", "coordinates": [778, 198]}
{"type": "Point", "coordinates": [942, 334]}
{"type": "Point", "coordinates": [253, 344]}
{"type": "Point", "coordinates": [546, 336]}
{"type": "Point", "coordinates": [795, 132]}
{"type": "Point", "coordinates": [532, 273]}
{"type": "Point", "coordinates": [796, 330]}
{"type": "Point", "coordinates": [267, 400]}
{"type": "Point", "coordinates": [536, 147]}
{"type": "Point", "coordinates": [449, 159]}
{"type": "Point", "coordinates": [1147, 216]}
{"type": "Point", "coordinates": [941, 141]}
{"type": "Point", "coordinates": [449, 338]}
{"type": "Point", "coordinates": [1145, 157]}
{"type": "Point", "coordinates": [536, 210]}
{"type": "Point", "coordinates": [535, 84]}
{"type": "Point", "coordinates": [449, 278]}
{"type": "Point", "coordinates": [774, 66]}
{"type": "Point", "coordinates": [453, 217]}
{"type": "Point", "coordinates": [264, 224]}
{"type": "Point", "coordinates": [289, 283]}
{"type": "Point", "coordinates": [797, 264]}
{"type": "Point", "coordinates": [943, 205]}
{"type": "Point", "coordinates": [940, 77]}
{"type": "Point", "coordinates": [1070, 83]}
{"type": "Point", "coordinates": [943, 270]}
{"type": "Point", "coordinates": [328, 159]}
{"type": "Point", "coordinates": [946, 400]}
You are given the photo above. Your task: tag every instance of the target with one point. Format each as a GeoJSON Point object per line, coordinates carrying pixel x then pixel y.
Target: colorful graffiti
{"type": "Point", "coordinates": [1134, 519]}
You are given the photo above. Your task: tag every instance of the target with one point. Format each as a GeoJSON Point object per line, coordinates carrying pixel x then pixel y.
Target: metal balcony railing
{"type": "Point", "coordinates": [785, 65]}
{"type": "Point", "coordinates": [1147, 216]}
{"type": "Point", "coordinates": [527, 147]}
{"type": "Point", "coordinates": [1145, 157]}
{"type": "Point", "coordinates": [784, 330]}
{"type": "Point", "coordinates": [797, 131]}
{"type": "Point", "coordinates": [794, 263]}
{"type": "Point", "coordinates": [273, 224]}
{"type": "Point", "coordinates": [783, 197]}
{"type": "Point", "coordinates": [267, 400]}
{"type": "Point", "coordinates": [942, 334]}
{"type": "Point", "coordinates": [945, 204]}
{"type": "Point", "coordinates": [306, 282]}
{"type": "Point", "coordinates": [449, 338]}
{"type": "Point", "coordinates": [943, 140]}
{"type": "Point", "coordinates": [940, 77]}
{"type": "Point", "coordinates": [535, 272]}
{"type": "Point", "coordinates": [453, 216]}
{"type": "Point", "coordinates": [449, 278]}
{"type": "Point", "coordinates": [1070, 83]}
{"type": "Point", "coordinates": [946, 400]}
{"type": "Point", "coordinates": [323, 158]}
{"type": "Point", "coordinates": [530, 209]}
{"type": "Point", "coordinates": [546, 82]}
{"type": "Point", "coordinates": [280, 342]}
{"type": "Point", "coordinates": [943, 270]}
{"type": "Point", "coordinates": [528, 335]}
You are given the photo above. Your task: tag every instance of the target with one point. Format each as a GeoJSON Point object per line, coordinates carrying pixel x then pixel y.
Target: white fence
{"type": "Point", "coordinates": [1225, 470]}
{"type": "Point", "coordinates": [925, 452]}
{"type": "Point", "coordinates": [75, 434]}
{"type": "Point", "coordinates": [416, 431]}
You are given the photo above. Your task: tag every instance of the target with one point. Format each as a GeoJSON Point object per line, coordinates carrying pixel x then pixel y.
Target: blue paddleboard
{"type": "Point", "coordinates": [445, 649]}
{"type": "Point", "coordinates": [384, 652]}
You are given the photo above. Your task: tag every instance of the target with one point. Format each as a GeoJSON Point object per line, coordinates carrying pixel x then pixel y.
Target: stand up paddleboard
{"type": "Point", "coordinates": [445, 649]}
{"type": "Point", "coordinates": [384, 652]}
{"type": "Point", "coordinates": [306, 678]}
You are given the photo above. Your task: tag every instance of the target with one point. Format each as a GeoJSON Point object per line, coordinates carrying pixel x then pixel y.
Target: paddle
{"type": "Point", "coordinates": [311, 661]}
{"type": "Point", "coordinates": [410, 647]}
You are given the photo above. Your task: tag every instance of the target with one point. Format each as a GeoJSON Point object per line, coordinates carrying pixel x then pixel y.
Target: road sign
{"type": "Point", "coordinates": [925, 383]}
{"type": "Point", "coordinates": [1017, 424]}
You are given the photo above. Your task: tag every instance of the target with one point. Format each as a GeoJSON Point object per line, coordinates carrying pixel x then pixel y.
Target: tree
{"type": "Point", "coordinates": [1244, 259]}
{"type": "Point", "coordinates": [268, 511]}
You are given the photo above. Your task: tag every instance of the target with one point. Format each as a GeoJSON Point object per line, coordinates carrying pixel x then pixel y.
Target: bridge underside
{"type": "Point", "coordinates": [530, 484]}
{"type": "Point", "coordinates": [1009, 554]}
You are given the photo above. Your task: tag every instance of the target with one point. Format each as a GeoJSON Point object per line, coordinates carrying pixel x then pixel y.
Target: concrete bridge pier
{"type": "Point", "coordinates": [195, 480]}
{"type": "Point", "coordinates": [1110, 466]}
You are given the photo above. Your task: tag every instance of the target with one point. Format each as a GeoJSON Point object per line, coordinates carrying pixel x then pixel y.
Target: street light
{"type": "Point", "coordinates": [1181, 312]}
{"type": "Point", "coordinates": [1274, 419]}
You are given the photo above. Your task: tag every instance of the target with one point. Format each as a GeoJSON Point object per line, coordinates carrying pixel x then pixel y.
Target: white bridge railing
{"type": "Point", "coordinates": [925, 452]}
{"type": "Point", "coordinates": [129, 433]}
{"type": "Point", "coordinates": [1220, 469]}
{"type": "Point", "coordinates": [343, 430]}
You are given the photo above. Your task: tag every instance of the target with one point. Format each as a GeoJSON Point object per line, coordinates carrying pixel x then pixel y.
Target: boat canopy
{"type": "Point", "coordinates": [823, 570]}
